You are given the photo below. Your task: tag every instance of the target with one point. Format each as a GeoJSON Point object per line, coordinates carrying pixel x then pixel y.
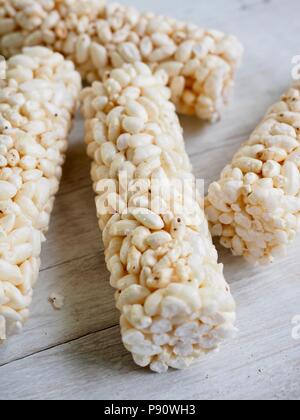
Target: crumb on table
{"type": "Point", "coordinates": [57, 301]}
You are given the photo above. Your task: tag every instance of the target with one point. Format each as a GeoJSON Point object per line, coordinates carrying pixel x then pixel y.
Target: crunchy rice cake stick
{"type": "Point", "coordinates": [174, 301]}
{"type": "Point", "coordinates": [37, 100]}
{"type": "Point", "coordinates": [255, 206]}
{"type": "Point", "coordinates": [200, 63]}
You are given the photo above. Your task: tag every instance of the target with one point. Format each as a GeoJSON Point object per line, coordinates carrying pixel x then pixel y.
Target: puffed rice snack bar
{"type": "Point", "coordinates": [255, 207]}
{"type": "Point", "coordinates": [37, 100]}
{"type": "Point", "coordinates": [174, 301]}
{"type": "Point", "coordinates": [200, 63]}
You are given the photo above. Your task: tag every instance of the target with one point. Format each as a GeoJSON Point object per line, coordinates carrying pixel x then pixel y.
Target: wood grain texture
{"type": "Point", "coordinates": [76, 353]}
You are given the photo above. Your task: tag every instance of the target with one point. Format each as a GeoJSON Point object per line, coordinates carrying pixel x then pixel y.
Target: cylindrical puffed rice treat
{"type": "Point", "coordinates": [200, 63]}
{"type": "Point", "coordinates": [37, 100]}
{"type": "Point", "coordinates": [174, 301]}
{"type": "Point", "coordinates": [255, 207]}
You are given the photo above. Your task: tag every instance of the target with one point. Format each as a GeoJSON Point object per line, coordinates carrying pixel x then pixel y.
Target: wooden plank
{"type": "Point", "coordinates": [74, 231]}
{"type": "Point", "coordinates": [89, 306]}
{"type": "Point", "coordinates": [263, 363]}
{"type": "Point", "coordinates": [76, 173]}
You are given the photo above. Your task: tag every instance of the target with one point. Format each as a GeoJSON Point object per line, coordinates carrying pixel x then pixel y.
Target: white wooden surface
{"type": "Point", "coordinates": [76, 353]}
